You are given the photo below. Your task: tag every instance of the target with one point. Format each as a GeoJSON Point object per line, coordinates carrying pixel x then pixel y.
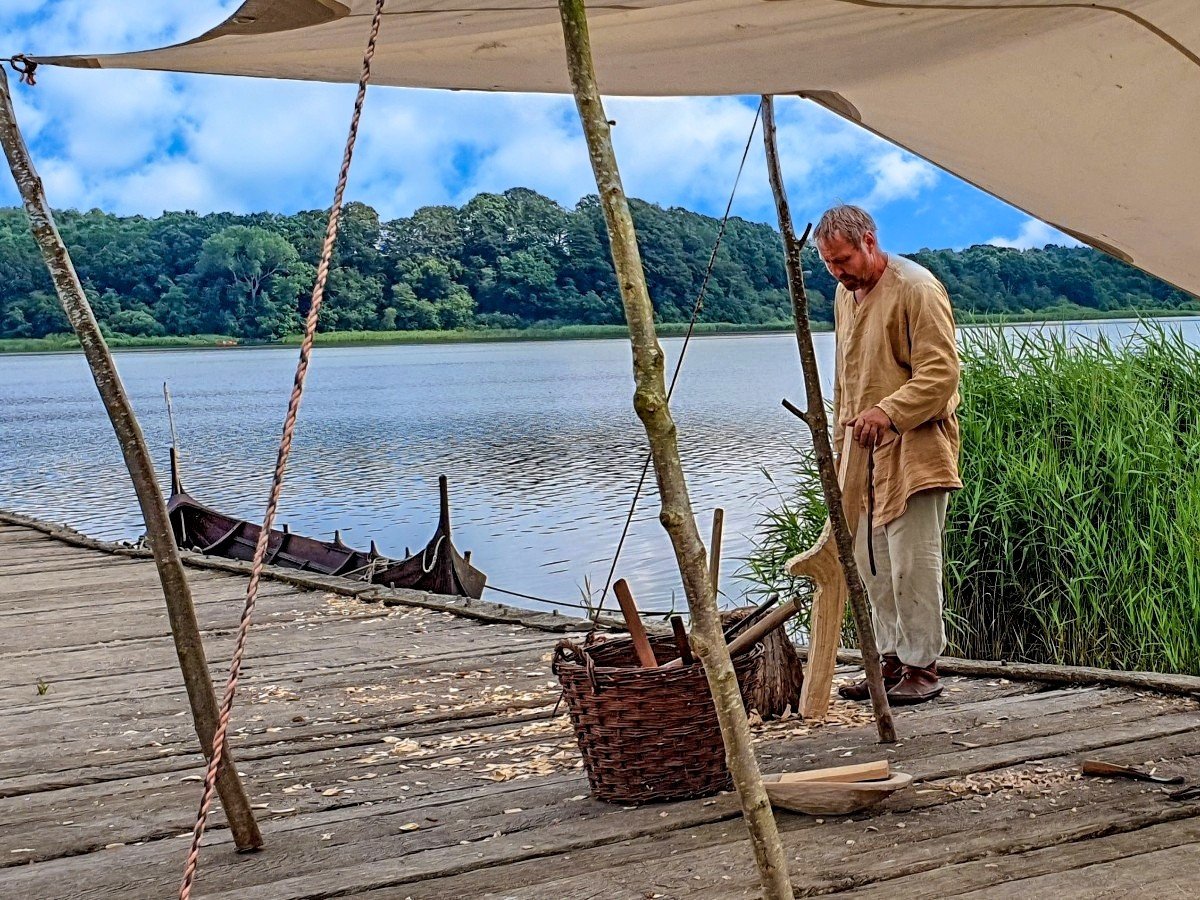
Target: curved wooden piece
{"type": "Point", "coordinates": [831, 798]}
{"type": "Point", "coordinates": [820, 563]}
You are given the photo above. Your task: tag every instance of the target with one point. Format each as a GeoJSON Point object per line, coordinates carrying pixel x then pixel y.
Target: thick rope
{"type": "Point", "coordinates": [25, 67]}
{"type": "Point", "coordinates": [285, 447]}
{"type": "Point", "coordinates": [699, 304]}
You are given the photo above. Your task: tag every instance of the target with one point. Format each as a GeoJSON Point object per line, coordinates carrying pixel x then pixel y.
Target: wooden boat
{"type": "Point", "coordinates": [439, 568]}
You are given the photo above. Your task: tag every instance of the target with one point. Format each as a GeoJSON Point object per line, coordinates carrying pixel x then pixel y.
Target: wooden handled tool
{"type": "Point", "coordinates": [681, 641]}
{"type": "Point", "coordinates": [762, 628]}
{"type": "Point", "coordinates": [1110, 770]}
{"type": "Point", "coordinates": [751, 618]}
{"type": "Point", "coordinates": [633, 623]}
{"type": "Point", "coordinates": [756, 624]}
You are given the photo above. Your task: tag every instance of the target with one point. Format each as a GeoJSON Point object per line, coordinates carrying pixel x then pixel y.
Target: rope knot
{"type": "Point", "coordinates": [25, 67]}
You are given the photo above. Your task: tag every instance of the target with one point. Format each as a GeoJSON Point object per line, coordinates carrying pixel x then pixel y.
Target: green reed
{"type": "Point", "coordinates": [1077, 537]}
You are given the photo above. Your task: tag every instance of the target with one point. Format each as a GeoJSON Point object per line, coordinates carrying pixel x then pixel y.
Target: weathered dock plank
{"type": "Point", "coordinates": [395, 751]}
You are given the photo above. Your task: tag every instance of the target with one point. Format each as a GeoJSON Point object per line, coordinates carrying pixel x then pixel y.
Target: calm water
{"type": "Point", "coordinates": [539, 441]}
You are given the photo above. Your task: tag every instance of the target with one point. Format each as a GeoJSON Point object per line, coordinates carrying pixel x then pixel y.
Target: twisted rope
{"type": "Point", "coordinates": [432, 562]}
{"type": "Point", "coordinates": [285, 447]}
{"type": "Point", "coordinates": [699, 304]}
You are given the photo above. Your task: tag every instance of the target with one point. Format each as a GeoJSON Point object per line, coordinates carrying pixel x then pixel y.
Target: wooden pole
{"type": "Point", "coordinates": [815, 418]}
{"type": "Point", "coordinates": [180, 611]}
{"type": "Point", "coordinates": [714, 551]}
{"type": "Point", "coordinates": [650, 402]}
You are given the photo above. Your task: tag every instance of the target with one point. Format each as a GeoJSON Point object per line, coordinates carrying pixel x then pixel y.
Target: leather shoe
{"type": "Point", "coordinates": [892, 670]}
{"type": "Point", "coordinates": [917, 684]}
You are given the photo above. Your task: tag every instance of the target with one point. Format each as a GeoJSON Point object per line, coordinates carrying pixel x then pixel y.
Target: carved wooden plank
{"type": "Point", "coordinates": [829, 584]}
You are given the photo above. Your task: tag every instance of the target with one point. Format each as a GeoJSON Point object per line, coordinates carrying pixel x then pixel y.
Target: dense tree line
{"type": "Point", "coordinates": [515, 259]}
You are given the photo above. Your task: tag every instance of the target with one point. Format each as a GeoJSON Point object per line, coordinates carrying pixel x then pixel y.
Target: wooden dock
{"type": "Point", "coordinates": [398, 751]}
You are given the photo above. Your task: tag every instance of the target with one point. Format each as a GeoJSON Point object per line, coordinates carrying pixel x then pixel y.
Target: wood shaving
{"type": "Point", "coordinates": [1025, 780]}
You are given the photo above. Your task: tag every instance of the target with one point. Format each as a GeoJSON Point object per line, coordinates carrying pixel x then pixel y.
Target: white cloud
{"type": "Point", "coordinates": [1034, 233]}
{"type": "Point", "coordinates": [109, 26]}
{"type": "Point", "coordinates": [142, 142]}
{"type": "Point", "coordinates": [897, 176]}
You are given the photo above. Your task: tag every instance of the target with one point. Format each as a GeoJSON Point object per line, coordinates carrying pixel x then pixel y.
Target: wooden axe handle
{"type": "Point", "coordinates": [681, 640]}
{"type": "Point", "coordinates": [633, 622]}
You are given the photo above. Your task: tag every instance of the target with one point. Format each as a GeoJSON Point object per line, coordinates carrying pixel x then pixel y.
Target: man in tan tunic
{"type": "Point", "coordinates": [896, 386]}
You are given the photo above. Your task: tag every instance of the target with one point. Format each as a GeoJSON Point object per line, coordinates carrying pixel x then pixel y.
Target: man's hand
{"type": "Point", "coordinates": [870, 426]}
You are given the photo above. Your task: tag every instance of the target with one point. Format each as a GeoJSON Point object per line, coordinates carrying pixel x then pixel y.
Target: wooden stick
{"type": "Point", "coordinates": [757, 624]}
{"type": "Point", "coordinates": [869, 771]}
{"type": "Point", "coordinates": [751, 618]}
{"type": "Point", "coordinates": [681, 641]}
{"type": "Point", "coordinates": [714, 551]}
{"type": "Point", "coordinates": [748, 635]}
{"type": "Point", "coordinates": [182, 615]}
{"type": "Point", "coordinates": [633, 623]}
{"type": "Point", "coordinates": [176, 475]}
{"type": "Point", "coordinates": [762, 628]}
{"type": "Point", "coordinates": [1186, 685]}
{"type": "Point", "coordinates": [676, 516]}
{"type": "Point", "coordinates": [814, 416]}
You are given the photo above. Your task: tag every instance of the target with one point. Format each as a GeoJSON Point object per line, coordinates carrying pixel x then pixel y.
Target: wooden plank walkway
{"type": "Point", "coordinates": [397, 751]}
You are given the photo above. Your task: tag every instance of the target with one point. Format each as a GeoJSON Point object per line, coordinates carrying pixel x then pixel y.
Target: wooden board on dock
{"type": "Point", "coordinates": [397, 751]}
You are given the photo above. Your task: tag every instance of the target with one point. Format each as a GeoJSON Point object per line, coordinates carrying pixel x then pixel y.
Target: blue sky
{"type": "Point", "coordinates": [142, 142]}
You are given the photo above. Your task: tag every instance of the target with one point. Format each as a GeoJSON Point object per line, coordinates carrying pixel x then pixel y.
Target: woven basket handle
{"type": "Point", "coordinates": [569, 651]}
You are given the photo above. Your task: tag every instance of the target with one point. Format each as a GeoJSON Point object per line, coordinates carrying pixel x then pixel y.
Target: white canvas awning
{"type": "Point", "coordinates": [1084, 114]}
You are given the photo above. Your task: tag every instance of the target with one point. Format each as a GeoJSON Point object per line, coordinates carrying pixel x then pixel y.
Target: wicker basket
{"type": "Point", "coordinates": [646, 734]}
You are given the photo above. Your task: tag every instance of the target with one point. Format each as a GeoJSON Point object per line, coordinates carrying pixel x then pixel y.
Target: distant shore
{"type": "Point", "coordinates": [66, 343]}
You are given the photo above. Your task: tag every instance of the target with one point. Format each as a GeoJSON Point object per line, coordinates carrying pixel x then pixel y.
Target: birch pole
{"type": "Point", "coordinates": [182, 615]}
{"type": "Point", "coordinates": [815, 418]}
{"type": "Point", "coordinates": [650, 402]}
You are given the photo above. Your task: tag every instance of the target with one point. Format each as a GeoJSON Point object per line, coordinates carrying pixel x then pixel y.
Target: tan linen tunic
{"type": "Point", "coordinates": [896, 350]}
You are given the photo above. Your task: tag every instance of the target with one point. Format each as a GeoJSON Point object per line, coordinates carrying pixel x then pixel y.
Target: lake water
{"type": "Point", "coordinates": [539, 441]}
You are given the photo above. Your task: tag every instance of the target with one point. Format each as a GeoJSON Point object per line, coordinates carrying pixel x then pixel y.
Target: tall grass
{"type": "Point", "coordinates": [783, 530]}
{"type": "Point", "coordinates": [1077, 537]}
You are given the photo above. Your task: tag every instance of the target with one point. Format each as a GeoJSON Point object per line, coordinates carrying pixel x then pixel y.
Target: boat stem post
{"type": "Point", "coordinates": [181, 613]}
{"type": "Point", "coordinates": [817, 423]}
{"type": "Point", "coordinates": [650, 402]}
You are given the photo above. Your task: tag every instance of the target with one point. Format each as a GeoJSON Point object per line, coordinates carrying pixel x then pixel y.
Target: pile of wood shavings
{"type": "Point", "coordinates": [1025, 781]}
{"type": "Point", "coordinates": [841, 714]}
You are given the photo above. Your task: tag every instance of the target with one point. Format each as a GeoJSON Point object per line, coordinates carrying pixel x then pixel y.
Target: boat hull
{"type": "Point", "coordinates": [439, 568]}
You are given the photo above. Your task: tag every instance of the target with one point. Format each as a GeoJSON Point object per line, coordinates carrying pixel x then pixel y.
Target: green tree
{"type": "Point", "coordinates": [135, 322]}
{"type": "Point", "coordinates": [439, 296]}
{"type": "Point", "coordinates": [501, 260]}
{"type": "Point", "coordinates": [258, 279]}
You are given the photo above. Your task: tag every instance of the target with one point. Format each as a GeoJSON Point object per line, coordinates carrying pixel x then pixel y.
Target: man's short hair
{"type": "Point", "coordinates": [851, 222]}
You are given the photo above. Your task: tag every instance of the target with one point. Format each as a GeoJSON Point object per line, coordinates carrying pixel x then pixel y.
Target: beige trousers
{"type": "Point", "coordinates": [906, 591]}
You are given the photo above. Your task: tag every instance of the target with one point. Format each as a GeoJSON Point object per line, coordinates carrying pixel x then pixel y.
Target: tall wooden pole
{"type": "Point", "coordinates": [180, 611]}
{"type": "Point", "coordinates": [650, 402]}
{"type": "Point", "coordinates": [817, 422]}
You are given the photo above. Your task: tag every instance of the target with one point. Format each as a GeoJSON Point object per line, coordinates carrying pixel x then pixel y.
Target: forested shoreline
{"type": "Point", "coordinates": [501, 262]}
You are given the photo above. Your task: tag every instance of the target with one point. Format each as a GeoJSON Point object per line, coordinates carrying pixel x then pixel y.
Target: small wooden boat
{"type": "Point", "coordinates": [439, 568]}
